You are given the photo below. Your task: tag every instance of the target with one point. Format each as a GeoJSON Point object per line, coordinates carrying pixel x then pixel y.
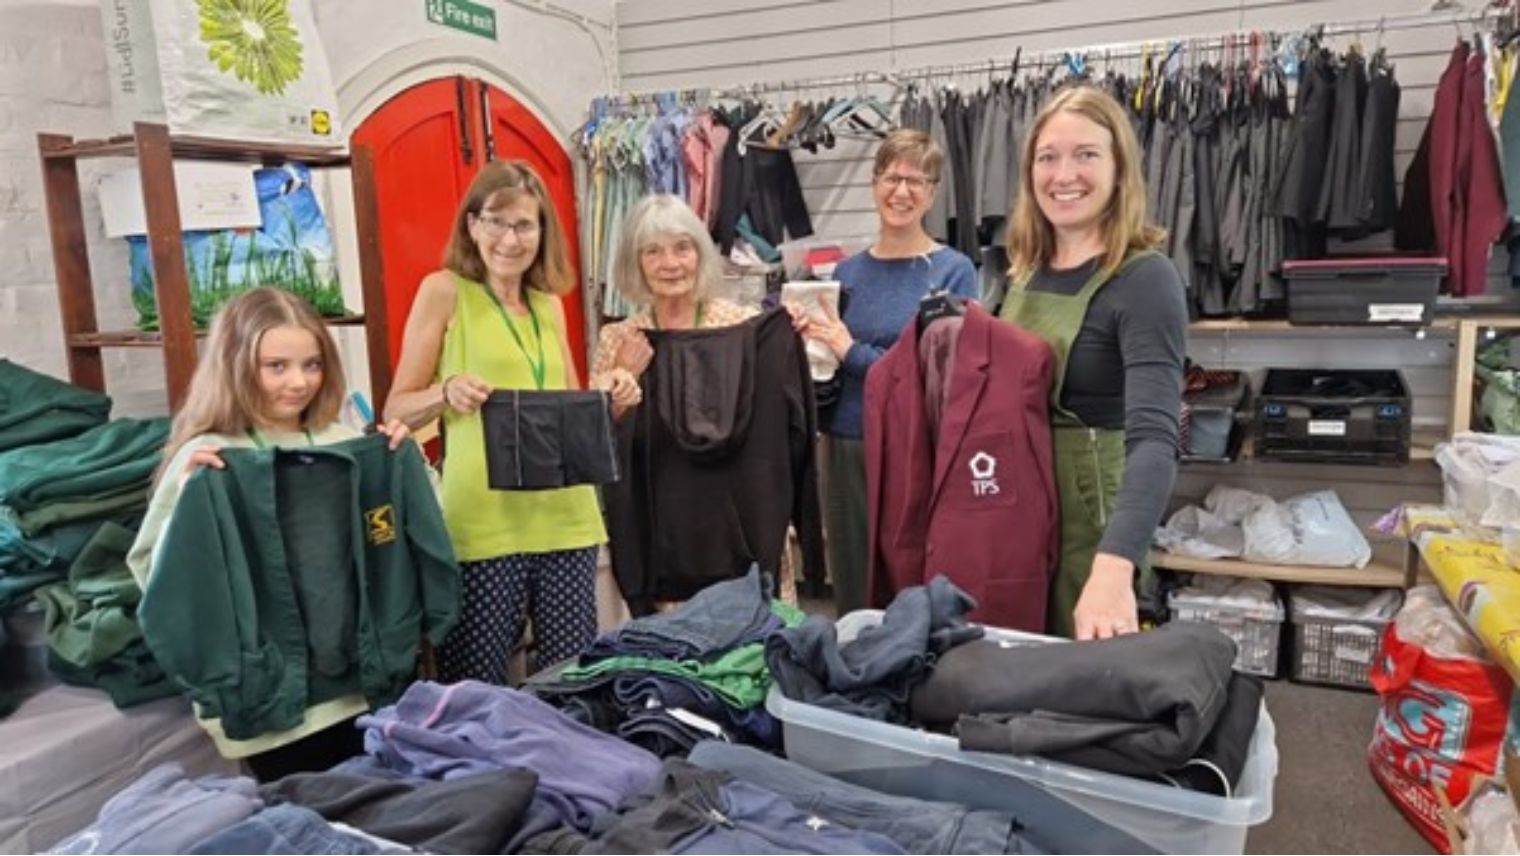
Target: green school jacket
{"type": "Point", "coordinates": [297, 576]}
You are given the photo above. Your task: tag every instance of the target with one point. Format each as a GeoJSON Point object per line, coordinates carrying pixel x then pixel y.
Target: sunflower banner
{"type": "Point", "coordinates": [237, 69]}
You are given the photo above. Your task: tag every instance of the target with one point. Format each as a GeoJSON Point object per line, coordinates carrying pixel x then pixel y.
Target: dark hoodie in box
{"type": "Point", "coordinates": [716, 462]}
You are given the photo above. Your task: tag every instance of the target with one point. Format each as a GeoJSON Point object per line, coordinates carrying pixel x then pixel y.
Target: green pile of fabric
{"type": "Point", "coordinates": [73, 490]}
{"type": "Point", "coordinates": [1499, 406]}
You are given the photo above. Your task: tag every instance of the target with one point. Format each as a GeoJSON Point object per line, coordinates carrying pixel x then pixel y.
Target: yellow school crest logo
{"type": "Point", "coordinates": [382, 524]}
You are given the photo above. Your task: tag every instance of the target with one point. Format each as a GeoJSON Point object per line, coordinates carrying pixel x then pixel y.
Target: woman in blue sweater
{"type": "Point", "coordinates": [880, 291]}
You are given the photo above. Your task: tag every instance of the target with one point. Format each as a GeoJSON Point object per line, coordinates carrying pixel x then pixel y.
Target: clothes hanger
{"type": "Point", "coordinates": [937, 304]}
{"type": "Point", "coordinates": [757, 130]}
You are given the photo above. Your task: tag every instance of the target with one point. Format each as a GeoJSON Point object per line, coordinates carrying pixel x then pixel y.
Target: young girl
{"type": "Point", "coordinates": [269, 376]}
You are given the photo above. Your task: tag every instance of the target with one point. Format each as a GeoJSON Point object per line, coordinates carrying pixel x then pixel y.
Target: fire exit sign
{"type": "Point", "coordinates": [472, 18]}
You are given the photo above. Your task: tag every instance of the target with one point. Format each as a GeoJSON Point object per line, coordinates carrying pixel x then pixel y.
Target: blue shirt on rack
{"type": "Point", "coordinates": [880, 296]}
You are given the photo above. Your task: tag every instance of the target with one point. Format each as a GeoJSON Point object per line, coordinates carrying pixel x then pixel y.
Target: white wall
{"type": "Point", "coordinates": [53, 78]}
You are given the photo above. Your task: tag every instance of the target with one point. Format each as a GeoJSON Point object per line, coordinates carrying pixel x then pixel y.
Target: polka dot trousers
{"type": "Point", "coordinates": [558, 591]}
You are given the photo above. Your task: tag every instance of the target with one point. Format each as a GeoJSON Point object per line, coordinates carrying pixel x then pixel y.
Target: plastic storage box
{"type": "Point", "coordinates": [1333, 416]}
{"type": "Point", "coordinates": [1211, 416]}
{"type": "Point", "coordinates": [1331, 649]}
{"type": "Point", "coordinates": [1070, 809]}
{"type": "Point", "coordinates": [1370, 290]}
{"type": "Point", "coordinates": [1257, 631]}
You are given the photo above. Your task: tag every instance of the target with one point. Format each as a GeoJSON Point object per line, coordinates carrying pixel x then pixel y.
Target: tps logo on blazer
{"type": "Point", "coordinates": [983, 475]}
{"type": "Point", "coordinates": [381, 522]}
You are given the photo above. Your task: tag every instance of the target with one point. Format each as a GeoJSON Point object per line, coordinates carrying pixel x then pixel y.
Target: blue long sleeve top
{"type": "Point", "coordinates": [880, 296]}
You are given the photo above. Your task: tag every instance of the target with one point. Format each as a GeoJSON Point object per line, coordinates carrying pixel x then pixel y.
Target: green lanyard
{"type": "Point", "coordinates": [540, 367]}
{"type": "Point", "coordinates": [259, 441]}
{"type": "Point", "coordinates": [696, 323]}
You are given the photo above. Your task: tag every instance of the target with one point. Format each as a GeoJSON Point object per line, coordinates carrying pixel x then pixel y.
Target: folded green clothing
{"type": "Point", "coordinates": [98, 463]}
{"type": "Point", "coordinates": [90, 621]}
{"type": "Point", "coordinates": [790, 615]}
{"type": "Point", "coordinates": [53, 550]}
{"type": "Point", "coordinates": [36, 408]}
{"type": "Point", "coordinates": [16, 588]}
{"type": "Point", "coordinates": [91, 617]}
{"type": "Point", "coordinates": [130, 678]}
{"type": "Point", "coordinates": [128, 499]}
{"type": "Point", "coordinates": [739, 677]}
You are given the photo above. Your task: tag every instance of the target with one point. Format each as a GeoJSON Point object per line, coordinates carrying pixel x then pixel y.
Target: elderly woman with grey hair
{"type": "Point", "coordinates": [667, 265]}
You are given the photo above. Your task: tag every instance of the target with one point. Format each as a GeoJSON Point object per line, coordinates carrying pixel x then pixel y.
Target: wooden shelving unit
{"type": "Point", "coordinates": [1422, 449]}
{"type": "Point", "coordinates": [1376, 574]}
{"type": "Point", "coordinates": [1388, 569]}
{"type": "Point", "coordinates": [155, 150]}
{"type": "Point", "coordinates": [1469, 331]}
{"type": "Point", "coordinates": [1278, 325]}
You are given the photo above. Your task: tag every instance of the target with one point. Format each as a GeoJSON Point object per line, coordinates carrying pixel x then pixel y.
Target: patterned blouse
{"type": "Point", "coordinates": [716, 312]}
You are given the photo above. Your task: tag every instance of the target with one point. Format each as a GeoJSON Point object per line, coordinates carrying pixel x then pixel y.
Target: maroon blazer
{"type": "Point", "coordinates": [979, 503]}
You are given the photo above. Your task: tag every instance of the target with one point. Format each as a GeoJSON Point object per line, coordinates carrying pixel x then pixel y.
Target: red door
{"type": "Point", "coordinates": [428, 143]}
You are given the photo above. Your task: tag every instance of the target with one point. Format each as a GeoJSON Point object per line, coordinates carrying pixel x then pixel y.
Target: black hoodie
{"type": "Point", "coordinates": [716, 462]}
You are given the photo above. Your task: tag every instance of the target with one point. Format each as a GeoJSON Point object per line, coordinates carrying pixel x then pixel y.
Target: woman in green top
{"type": "Point", "coordinates": [491, 319]}
{"type": "Point", "coordinates": [1087, 277]}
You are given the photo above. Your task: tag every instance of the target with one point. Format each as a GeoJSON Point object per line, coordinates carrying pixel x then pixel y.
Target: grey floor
{"type": "Point", "coordinates": [1326, 801]}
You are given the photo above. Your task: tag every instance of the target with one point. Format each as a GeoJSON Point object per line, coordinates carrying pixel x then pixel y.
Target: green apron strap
{"type": "Point", "coordinates": [1089, 462]}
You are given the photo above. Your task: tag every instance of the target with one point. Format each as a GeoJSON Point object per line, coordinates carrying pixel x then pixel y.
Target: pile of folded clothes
{"type": "Point", "coordinates": [332, 812]}
{"type": "Point", "coordinates": [668, 680]}
{"type": "Point", "coordinates": [73, 489]}
{"type": "Point", "coordinates": [1162, 705]}
{"type": "Point", "coordinates": [471, 768]}
{"type": "Point", "coordinates": [36, 410]}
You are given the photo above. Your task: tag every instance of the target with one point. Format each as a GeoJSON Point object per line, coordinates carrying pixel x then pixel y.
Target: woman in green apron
{"type": "Point", "coordinates": [491, 319]}
{"type": "Point", "coordinates": [1087, 278]}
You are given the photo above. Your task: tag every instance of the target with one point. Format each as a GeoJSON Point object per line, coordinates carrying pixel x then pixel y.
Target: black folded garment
{"type": "Point", "coordinates": [548, 439]}
{"type": "Point", "coordinates": [470, 814]}
{"type": "Point", "coordinates": [1139, 705]}
{"type": "Point", "coordinates": [1221, 760]}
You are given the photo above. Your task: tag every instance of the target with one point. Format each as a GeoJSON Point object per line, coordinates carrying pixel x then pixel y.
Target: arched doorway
{"type": "Point", "coordinates": [428, 142]}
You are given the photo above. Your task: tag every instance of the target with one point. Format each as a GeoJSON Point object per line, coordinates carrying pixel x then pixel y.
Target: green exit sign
{"type": "Point", "coordinates": [472, 18]}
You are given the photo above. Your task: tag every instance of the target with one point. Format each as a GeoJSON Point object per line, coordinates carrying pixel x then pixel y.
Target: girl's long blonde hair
{"type": "Point", "coordinates": [1031, 240]}
{"type": "Point", "coordinates": [224, 392]}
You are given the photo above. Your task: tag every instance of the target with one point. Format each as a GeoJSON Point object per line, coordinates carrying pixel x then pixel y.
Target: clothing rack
{"type": "Point", "coordinates": [621, 100]}
{"type": "Point", "coordinates": [1214, 41]}
{"type": "Point", "coordinates": [1237, 39]}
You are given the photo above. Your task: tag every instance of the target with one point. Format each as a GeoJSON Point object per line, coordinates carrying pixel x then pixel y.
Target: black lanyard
{"type": "Point", "coordinates": [540, 367]}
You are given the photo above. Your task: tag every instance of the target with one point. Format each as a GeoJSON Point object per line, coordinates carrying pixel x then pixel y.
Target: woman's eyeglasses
{"type": "Point", "coordinates": [495, 227]}
{"type": "Point", "coordinates": [915, 183]}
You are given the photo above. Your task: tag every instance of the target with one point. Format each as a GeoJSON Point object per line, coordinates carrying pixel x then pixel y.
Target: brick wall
{"type": "Point", "coordinates": [53, 78]}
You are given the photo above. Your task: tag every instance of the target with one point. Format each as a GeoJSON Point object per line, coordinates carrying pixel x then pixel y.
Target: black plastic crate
{"type": "Point", "coordinates": [1381, 290]}
{"type": "Point", "coordinates": [1333, 416]}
